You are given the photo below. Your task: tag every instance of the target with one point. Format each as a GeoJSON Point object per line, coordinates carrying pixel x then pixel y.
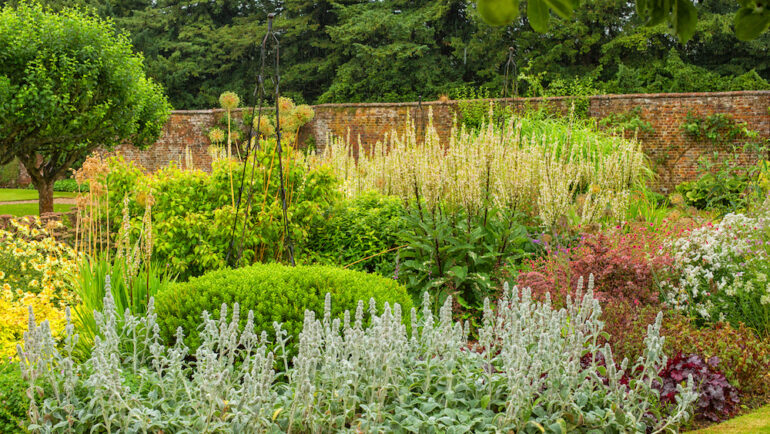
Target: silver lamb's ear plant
{"type": "Point", "coordinates": [534, 368]}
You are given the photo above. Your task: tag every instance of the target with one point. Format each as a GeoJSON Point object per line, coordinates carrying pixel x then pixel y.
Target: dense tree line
{"type": "Point", "coordinates": [396, 50]}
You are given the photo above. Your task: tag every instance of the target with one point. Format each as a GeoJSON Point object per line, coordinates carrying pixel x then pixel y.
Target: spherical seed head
{"type": "Point", "coordinates": [265, 127]}
{"type": "Point", "coordinates": [304, 113]}
{"type": "Point", "coordinates": [216, 135]}
{"type": "Point", "coordinates": [285, 105]}
{"type": "Point", "coordinates": [289, 123]}
{"type": "Point", "coordinates": [229, 100]}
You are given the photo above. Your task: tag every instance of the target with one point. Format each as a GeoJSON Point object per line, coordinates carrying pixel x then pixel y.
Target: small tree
{"type": "Point", "coordinates": [70, 83]}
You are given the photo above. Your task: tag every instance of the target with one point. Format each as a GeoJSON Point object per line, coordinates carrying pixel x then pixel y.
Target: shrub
{"type": "Point", "coordinates": [365, 373]}
{"type": "Point", "coordinates": [32, 260]}
{"type": "Point", "coordinates": [356, 229]}
{"type": "Point", "coordinates": [194, 212]}
{"type": "Point", "coordinates": [13, 400]}
{"type": "Point", "coordinates": [717, 399]}
{"type": "Point", "coordinates": [69, 185]}
{"type": "Point", "coordinates": [743, 357]}
{"type": "Point", "coordinates": [273, 292]}
{"type": "Point", "coordinates": [9, 174]}
{"type": "Point", "coordinates": [624, 266]}
{"type": "Point", "coordinates": [35, 270]}
{"type": "Point", "coordinates": [723, 271]}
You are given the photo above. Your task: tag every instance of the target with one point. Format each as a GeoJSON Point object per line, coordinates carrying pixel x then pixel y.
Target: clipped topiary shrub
{"type": "Point", "coordinates": [274, 292]}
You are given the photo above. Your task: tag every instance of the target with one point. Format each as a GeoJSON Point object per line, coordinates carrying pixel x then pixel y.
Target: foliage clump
{"type": "Point", "coordinates": [368, 371]}
{"type": "Point", "coordinates": [274, 292]}
{"type": "Point", "coordinates": [193, 213]}
{"type": "Point", "coordinates": [35, 270]}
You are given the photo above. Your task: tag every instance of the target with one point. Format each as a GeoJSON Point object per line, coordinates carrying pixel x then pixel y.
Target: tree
{"type": "Point", "coordinates": [395, 50]}
{"type": "Point", "coordinates": [750, 21]}
{"type": "Point", "coordinates": [69, 83]}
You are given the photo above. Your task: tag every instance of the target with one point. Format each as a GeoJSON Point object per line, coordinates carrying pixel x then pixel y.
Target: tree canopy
{"type": "Point", "coordinates": [397, 50]}
{"type": "Point", "coordinates": [70, 83]}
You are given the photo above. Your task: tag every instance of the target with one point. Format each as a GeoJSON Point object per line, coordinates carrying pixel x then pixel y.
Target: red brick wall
{"type": "Point", "coordinates": [666, 112]}
{"type": "Point", "coordinates": [672, 154]}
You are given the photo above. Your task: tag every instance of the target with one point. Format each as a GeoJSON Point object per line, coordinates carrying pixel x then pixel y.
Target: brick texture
{"type": "Point", "coordinates": [673, 155]}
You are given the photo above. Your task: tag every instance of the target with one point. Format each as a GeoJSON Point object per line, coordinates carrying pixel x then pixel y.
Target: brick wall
{"type": "Point", "coordinates": [673, 155]}
{"type": "Point", "coordinates": [186, 131]}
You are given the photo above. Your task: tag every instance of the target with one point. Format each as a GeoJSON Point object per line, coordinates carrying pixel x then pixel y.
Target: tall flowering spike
{"type": "Point", "coordinates": [359, 314]}
{"type": "Point", "coordinates": [327, 308]}
{"type": "Point", "coordinates": [372, 307]}
{"type": "Point", "coordinates": [147, 239]}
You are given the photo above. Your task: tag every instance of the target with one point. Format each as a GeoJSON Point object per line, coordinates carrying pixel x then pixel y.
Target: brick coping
{"type": "Point", "coordinates": [517, 99]}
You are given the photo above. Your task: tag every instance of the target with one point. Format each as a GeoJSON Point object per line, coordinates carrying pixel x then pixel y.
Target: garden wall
{"type": "Point", "coordinates": [673, 155]}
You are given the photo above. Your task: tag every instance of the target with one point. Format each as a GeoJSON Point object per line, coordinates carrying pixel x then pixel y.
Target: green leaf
{"type": "Point", "coordinates": [685, 19]}
{"type": "Point", "coordinates": [659, 11]}
{"type": "Point", "coordinates": [563, 8]}
{"type": "Point", "coordinates": [538, 16]}
{"type": "Point", "coordinates": [749, 23]}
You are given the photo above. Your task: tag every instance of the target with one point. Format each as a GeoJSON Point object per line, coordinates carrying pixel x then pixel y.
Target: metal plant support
{"type": "Point", "coordinates": [235, 250]}
{"type": "Point", "coordinates": [509, 65]}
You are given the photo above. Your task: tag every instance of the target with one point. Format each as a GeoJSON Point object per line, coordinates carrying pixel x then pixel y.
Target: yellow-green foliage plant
{"type": "Point", "coordinates": [546, 168]}
{"type": "Point", "coordinates": [274, 293]}
{"type": "Point", "coordinates": [193, 214]}
{"type": "Point", "coordinates": [35, 270]}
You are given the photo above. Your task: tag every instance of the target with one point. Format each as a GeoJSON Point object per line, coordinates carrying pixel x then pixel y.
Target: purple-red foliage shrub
{"type": "Point", "coordinates": [718, 399]}
{"type": "Point", "coordinates": [624, 266]}
{"type": "Point", "coordinates": [743, 357]}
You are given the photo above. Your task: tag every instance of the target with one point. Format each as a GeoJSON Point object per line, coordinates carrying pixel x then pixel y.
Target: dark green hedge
{"type": "Point", "coordinates": [274, 292]}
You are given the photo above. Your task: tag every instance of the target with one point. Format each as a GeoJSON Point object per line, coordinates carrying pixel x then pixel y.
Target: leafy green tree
{"type": "Point", "coordinates": [395, 49]}
{"type": "Point", "coordinates": [69, 84]}
{"type": "Point", "coordinates": [750, 21]}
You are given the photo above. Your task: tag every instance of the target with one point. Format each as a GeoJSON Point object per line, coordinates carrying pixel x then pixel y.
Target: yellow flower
{"type": "Point", "coordinates": [6, 287]}
{"type": "Point", "coordinates": [2, 274]}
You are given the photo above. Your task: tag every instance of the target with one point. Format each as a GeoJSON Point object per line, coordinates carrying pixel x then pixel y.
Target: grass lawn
{"type": "Point", "coordinates": [10, 194]}
{"type": "Point", "coordinates": [22, 209]}
{"type": "Point", "coordinates": [755, 422]}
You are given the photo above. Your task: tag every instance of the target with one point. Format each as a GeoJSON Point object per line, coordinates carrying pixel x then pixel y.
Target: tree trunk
{"type": "Point", "coordinates": [45, 196]}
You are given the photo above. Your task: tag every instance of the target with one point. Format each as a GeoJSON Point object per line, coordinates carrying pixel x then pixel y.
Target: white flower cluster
{"type": "Point", "coordinates": [534, 368]}
{"type": "Point", "coordinates": [719, 262]}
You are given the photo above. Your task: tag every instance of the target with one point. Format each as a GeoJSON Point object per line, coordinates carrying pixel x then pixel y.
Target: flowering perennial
{"type": "Point", "coordinates": [367, 373]}
{"type": "Point", "coordinates": [516, 167]}
{"type": "Point", "coordinates": [35, 270]}
{"type": "Point", "coordinates": [724, 270]}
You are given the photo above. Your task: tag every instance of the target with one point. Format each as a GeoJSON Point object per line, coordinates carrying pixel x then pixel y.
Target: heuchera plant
{"type": "Point", "coordinates": [717, 399]}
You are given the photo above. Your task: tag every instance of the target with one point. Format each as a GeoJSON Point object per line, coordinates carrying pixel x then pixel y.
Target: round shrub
{"type": "Point", "coordinates": [274, 292]}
